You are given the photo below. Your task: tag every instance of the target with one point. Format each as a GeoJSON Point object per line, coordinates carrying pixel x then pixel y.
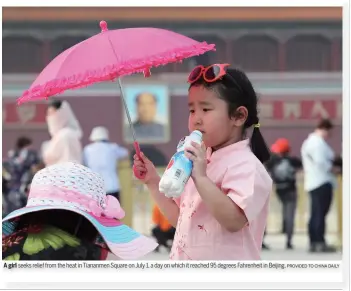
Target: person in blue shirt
{"type": "Point", "coordinates": [102, 156]}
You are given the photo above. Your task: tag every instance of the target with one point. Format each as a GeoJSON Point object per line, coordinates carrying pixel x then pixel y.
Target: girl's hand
{"type": "Point", "coordinates": [197, 153]}
{"type": "Point", "coordinates": [144, 165]}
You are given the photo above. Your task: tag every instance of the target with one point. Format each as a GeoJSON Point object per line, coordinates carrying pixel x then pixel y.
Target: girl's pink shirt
{"type": "Point", "coordinates": [243, 178]}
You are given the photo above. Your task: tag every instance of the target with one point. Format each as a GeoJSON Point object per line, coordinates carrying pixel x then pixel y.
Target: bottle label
{"type": "Point", "coordinates": [180, 146]}
{"type": "Point", "coordinates": [179, 168]}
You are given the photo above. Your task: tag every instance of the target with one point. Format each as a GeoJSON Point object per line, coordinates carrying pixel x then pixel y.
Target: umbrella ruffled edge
{"type": "Point", "coordinates": [111, 72]}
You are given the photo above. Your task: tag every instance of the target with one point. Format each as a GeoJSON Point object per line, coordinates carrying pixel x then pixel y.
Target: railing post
{"type": "Point", "coordinates": [302, 202]}
{"type": "Point", "coordinates": [126, 177]}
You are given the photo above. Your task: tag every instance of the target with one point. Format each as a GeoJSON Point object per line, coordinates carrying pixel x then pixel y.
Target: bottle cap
{"type": "Point", "coordinates": [196, 136]}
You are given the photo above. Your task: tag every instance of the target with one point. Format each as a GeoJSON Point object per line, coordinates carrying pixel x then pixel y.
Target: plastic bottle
{"type": "Point", "coordinates": [179, 168]}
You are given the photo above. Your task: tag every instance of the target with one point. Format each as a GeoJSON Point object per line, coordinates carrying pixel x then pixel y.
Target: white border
{"type": "Point", "coordinates": [160, 3]}
{"type": "Point", "coordinates": [346, 143]}
{"type": "Point", "coordinates": [249, 276]}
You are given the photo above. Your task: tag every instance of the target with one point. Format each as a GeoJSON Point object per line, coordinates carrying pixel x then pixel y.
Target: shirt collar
{"type": "Point", "coordinates": [210, 154]}
{"type": "Point", "coordinates": [317, 135]}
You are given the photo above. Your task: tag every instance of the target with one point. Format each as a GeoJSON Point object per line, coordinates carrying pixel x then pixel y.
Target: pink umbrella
{"type": "Point", "coordinates": [109, 55]}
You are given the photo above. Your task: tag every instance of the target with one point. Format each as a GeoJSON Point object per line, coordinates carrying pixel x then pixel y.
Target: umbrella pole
{"type": "Point", "coordinates": [136, 144]}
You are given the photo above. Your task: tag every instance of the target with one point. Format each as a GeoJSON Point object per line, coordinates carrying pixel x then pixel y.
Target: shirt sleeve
{"type": "Point", "coordinates": [248, 188]}
{"type": "Point", "coordinates": [296, 162]}
{"type": "Point", "coordinates": [121, 152]}
{"type": "Point", "coordinates": [321, 156]}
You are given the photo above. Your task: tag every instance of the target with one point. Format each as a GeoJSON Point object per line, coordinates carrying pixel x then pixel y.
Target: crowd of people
{"type": "Point", "coordinates": [320, 167]}
{"type": "Point", "coordinates": [56, 173]}
{"type": "Point", "coordinates": [203, 223]}
{"type": "Point", "coordinates": [65, 145]}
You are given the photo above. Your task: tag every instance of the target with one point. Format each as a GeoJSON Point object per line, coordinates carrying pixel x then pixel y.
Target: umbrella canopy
{"type": "Point", "coordinates": [112, 54]}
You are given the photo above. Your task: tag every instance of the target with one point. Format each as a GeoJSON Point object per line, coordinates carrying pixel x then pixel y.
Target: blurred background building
{"type": "Point", "coordinates": [292, 55]}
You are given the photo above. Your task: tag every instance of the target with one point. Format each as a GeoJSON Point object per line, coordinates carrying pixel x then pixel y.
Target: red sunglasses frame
{"type": "Point", "coordinates": [203, 71]}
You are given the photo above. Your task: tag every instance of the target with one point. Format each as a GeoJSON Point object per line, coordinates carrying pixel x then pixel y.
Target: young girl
{"type": "Point", "coordinates": [222, 213]}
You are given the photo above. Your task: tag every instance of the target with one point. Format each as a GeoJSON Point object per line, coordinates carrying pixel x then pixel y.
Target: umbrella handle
{"type": "Point", "coordinates": [138, 174]}
{"type": "Point", "coordinates": [137, 149]}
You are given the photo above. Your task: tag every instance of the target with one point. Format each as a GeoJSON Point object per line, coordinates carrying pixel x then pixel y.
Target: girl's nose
{"type": "Point", "coordinates": [197, 120]}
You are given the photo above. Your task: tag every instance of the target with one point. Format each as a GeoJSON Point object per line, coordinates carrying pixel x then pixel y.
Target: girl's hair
{"type": "Point", "coordinates": [55, 103]}
{"type": "Point", "coordinates": [237, 90]}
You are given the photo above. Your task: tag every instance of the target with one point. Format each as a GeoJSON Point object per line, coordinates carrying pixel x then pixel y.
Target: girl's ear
{"type": "Point", "coordinates": [240, 116]}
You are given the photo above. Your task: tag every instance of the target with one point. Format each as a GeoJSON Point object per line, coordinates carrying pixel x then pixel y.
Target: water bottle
{"type": "Point", "coordinates": [179, 168]}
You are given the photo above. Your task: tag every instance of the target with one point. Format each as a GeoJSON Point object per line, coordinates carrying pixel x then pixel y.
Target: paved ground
{"type": "Point", "coordinates": [277, 250]}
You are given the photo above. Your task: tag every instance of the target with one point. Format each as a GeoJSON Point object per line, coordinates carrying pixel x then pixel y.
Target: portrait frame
{"type": "Point", "coordinates": [158, 130]}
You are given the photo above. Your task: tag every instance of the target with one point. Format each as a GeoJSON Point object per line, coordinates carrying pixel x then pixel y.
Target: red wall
{"type": "Point", "coordinates": [107, 111]}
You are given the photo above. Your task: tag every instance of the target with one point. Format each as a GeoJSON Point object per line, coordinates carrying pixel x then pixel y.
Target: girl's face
{"type": "Point", "coordinates": [209, 114]}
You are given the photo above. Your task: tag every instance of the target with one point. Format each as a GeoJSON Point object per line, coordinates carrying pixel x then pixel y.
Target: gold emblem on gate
{"type": "Point", "coordinates": [26, 112]}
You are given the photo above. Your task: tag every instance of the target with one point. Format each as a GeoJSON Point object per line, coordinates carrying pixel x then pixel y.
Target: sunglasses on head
{"type": "Point", "coordinates": [211, 74]}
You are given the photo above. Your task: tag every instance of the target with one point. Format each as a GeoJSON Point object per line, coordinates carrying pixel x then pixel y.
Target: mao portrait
{"type": "Point", "coordinates": [149, 109]}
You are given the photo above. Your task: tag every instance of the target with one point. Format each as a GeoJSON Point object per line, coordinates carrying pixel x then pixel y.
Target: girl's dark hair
{"type": "Point", "coordinates": [236, 89]}
{"type": "Point", "coordinates": [55, 103]}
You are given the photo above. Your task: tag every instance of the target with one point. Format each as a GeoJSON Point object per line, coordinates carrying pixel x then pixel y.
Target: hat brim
{"type": "Point", "coordinates": [123, 241]}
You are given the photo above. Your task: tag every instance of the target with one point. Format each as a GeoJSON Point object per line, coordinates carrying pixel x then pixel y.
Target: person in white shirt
{"type": "Point", "coordinates": [317, 159]}
{"type": "Point", "coordinates": [102, 156]}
